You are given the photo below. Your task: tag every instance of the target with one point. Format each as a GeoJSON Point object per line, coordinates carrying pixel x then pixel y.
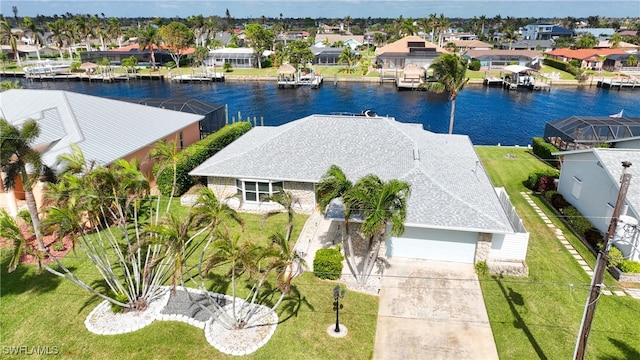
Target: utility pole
{"type": "Point", "coordinates": [601, 264]}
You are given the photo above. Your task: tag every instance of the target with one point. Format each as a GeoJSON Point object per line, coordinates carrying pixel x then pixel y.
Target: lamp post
{"type": "Point", "coordinates": [337, 294]}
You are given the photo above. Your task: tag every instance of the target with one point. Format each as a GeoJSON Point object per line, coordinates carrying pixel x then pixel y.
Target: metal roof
{"type": "Point", "coordinates": [590, 130]}
{"type": "Point", "coordinates": [105, 129]}
{"type": "Point", "coordinates": [450, 188]}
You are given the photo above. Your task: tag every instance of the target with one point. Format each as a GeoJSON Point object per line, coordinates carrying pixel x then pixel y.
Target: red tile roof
{"type": "Point", "coordinates": [582, 54]}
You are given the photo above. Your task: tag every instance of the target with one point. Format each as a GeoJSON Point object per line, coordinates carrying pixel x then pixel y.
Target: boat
{"type": "Point", "coordinates": [47, 67]}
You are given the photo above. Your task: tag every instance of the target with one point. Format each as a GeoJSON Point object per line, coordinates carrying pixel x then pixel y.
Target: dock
{"type": "Point", "coordinates": [199, 77]}
{"type": "Point", "coordinates": [620, 83]}
{"type": "Point", "coordinates": [509, 83]}
{"type": "Point", "coordinates": [314, 81]}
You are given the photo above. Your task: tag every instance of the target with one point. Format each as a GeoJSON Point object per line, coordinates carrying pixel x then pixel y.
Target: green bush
{"type": "Point", "coordinates": [615, 257]}
{"type": "Point", "coordinates": [542, 181]}
{"type": "Point", "coordinates": [558, 201]}
{"type": "Point", "coordinates": [195, 154]}
{"type": "Point", "coordinates": [594, 238]}
{"type": "Point", "coordinates": [579, 223]}
{"type": "Point", "coordinates": [482, 268]}
{"type": "Point", "coordinates": [564, 66]}
{"type": "Point", "coordinates": [543, 150]}
{"type": "Point", "coordinates": [475, 65]}
{"type": "Point", "coordinates": [327, 264]}
{"type": "Point", "coordinates": [629, 266]}
{"type": "Point", "coordinates": [121, 298]}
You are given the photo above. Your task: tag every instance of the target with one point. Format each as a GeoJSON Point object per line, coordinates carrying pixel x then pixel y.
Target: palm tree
{"type": "Point", "coordinates": [510, 35]}
{"type": "Point", "coordinates": [379, 204]}
{"type": "Point", "coordinates": [349, 57]}
{"type": "Point", "coordinates": [16, 155]}
{"type": "Point", "coordinates": [114, 29]}
{"type": "Point", "coordinates": [149, 39]}
{"type": "Point", "coordinates": [615, 40]}
{"type": "Point", "coordinates": [35, 33]}
{"type": "Point", "coordinates": [632, 61]}
{"type": "Point", "coordinates": [85, 29]}
{"type": "Point", "coordinates": [8, 37]}
{"type": "Point", "coordinates": [449, 71]}
{"type": "Point", "coordinates": [214, 214]}
{"type": "Point", "coordinates": [59, 34]}
{"type": "Point", "coordinates": [334, 184]}
{"type": "Point", "coordinates": [9, 229]}
{"type": "Point", "coordinates": [166, 154]}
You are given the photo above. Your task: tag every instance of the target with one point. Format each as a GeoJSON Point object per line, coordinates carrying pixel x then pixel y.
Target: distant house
{"type": "Point", "coordinates": [241, 58]}
{"type": "Point", "coordinates": [327, 55]}
{"type": "Point", "coordinates": [589, 58]}
{"type": "Point", "coordinates": [352, 41]}
{"type": "Point", "coordinates": [590, 181]}
{"type": "Point", "coordinates": [619, 62]}
{"type": "Point", "coordinates": [459, 36]}
{"type": "Point", "coordinates": [289, 36]}
{"type": "Point", "coordinates": [369, 37]}
{"type": "Point", "coordinates": [606, 44]}
{"type": "Point", "coordinates": [408, 50]}
{"type": "Point", "coordinates": [544, 32]}
{"type": "Point", "coordinates": [596, 32]}
{"type": "Point", "coordinates": [105, 129]}
{"type": "Point", "coordinates": [498, 59]}
{"type": "Point", "coordinates": [465, 45]}
{"type": "Point", "coordinates": [453, 213]}
{"type": "Point", "coordinates": [539, 45]}
{"type": "Point", "coordinates": [116, 55]}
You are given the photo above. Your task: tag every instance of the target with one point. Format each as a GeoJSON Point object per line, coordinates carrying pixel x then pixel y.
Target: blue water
{"type": "Point", "coordinates": [488, 115]}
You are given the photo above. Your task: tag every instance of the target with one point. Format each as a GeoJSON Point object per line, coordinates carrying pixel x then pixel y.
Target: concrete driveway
{"type": "Point", "coordinates": [432, 310]}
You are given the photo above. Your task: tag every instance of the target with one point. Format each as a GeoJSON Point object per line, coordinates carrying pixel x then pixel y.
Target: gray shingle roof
{"type": "Point", "coordinates": [612, 160]}
{"type": "Point", "coordinates": [104, 129]}
{"type": "Point", "coordinates": [450, 188]}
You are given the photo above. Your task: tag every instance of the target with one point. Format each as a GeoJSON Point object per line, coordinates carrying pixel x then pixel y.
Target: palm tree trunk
{"type": "Point", "coordinates": [453, 111]}
{"type": "Point", "coordinates": [372, 257]}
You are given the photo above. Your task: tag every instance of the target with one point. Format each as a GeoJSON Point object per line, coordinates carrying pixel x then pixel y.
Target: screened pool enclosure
{"type": "Point", "coordinates": [581, 132]}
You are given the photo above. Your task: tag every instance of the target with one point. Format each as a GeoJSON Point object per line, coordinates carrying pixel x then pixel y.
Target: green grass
{"type": "Point", "coordinates": [45, 310]}
{"type": "Point", "coordinates": [539, 316]}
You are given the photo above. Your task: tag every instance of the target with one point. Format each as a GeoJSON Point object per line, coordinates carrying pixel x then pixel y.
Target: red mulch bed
{"type": "Point", "coordinates": [27, 256]}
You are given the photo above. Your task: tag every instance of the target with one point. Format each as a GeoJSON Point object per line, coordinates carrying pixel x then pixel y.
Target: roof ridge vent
{"type": "Point", "coordinates": [416, 154]}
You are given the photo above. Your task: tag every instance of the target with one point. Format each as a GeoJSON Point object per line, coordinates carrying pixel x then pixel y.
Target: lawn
{"type": "Point", "coordinates": [45, 310]}
{"type": "Point", "coordinates": [539, 317]}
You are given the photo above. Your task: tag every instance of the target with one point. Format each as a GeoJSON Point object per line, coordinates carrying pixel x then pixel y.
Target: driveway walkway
{"type": "Point", "coordinates": [432, 310]}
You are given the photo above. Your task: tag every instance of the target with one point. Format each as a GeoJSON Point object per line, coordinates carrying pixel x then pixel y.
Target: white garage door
{"type": "Point", "coordinates": [432, 244]}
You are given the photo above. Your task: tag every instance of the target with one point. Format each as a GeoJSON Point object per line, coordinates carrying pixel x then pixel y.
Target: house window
{"type": "Point", "coordinates": [253, 190]}
{"type": "Point", "coordinates": [576, 188]}
{"type": "Point", "coordinates": [181, 141]}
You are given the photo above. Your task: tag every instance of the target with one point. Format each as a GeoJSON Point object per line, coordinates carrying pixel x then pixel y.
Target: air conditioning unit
{"type": "Point", "coordinates": [626, 237]}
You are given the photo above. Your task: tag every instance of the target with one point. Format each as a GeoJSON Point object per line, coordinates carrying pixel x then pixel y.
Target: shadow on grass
{"type": "Point", "coordinates": [628, 351]}
{"type": "Point", "coordinates": [24, 279]}
{"type": "Point", "coordinates": [292, 304]}
{"type": "Point", "coordinates": [515, 299]}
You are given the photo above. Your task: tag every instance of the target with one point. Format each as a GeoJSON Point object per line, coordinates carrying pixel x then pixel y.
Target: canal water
{"type": "Point", "coordinates": [489, 116]}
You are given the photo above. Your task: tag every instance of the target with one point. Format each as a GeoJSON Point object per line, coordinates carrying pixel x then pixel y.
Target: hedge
{"type": "Point", "coordinates": [542, 181]}
{"type": "Point", "coordinates": [327, 264]}
{"type": "Point", "coordinates": [564, 66]}
{"type": "Point", "coordinates": [543, 150]}
{"type": "Point", "coordinates": [195, 154]}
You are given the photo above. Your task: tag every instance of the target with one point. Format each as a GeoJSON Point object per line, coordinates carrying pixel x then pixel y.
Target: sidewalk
{"type": "Point", "coordinates": [635, 293]}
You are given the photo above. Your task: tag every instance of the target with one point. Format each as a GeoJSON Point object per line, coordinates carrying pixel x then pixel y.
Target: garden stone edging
{"type": "Point", "coordinates": [232, 342]}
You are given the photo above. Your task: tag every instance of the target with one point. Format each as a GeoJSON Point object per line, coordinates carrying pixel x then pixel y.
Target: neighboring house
{"type": "Point", "coordinates": [289, 36]}
{"type": "Point", "coordinates": [539, 45]}
{"type": "Point", "coordinates": [408, 50]}
{"type": "Point", "coordinates": [590, 181]}
{"type": "Point", "coordinates": [116, 55]}
{"type": "Point", "coordinates": [326, 55]}
{"type": "Point", "coordinates": [454, 213]}
{"type": "Point", "coordinates": [544, 32]}
{"type": "Point", "coordinates": [369, 37]}
{"type": "Point", "coordinates": [619, 62]}
{"type": "Point", "coordinates": [244, 58]}
{"type": "Point", "coordinates": [465, 45]}
{"type": "Point", "coordinates": [105, 129]}
{"type": "Point", "coordinates": [626, 143]}
{"type": "Point", "coordinates": [606, 44]}
{"type": "Point", "coordinates": [589, 58]}
{"type": "Point", "coordinates": [596, 32]}
{"type": "Point", "coordinates": [459, 36]}
{"type": "Point", "coordinates": [28, 51]}
{"type": "Point", "coordinates": [498, 59]}
{"type": "Point", "coordinates": [352, 41]}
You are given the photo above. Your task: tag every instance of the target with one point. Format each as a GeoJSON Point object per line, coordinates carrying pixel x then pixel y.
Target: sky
{"type": "Point", "coordinates": [327, 8]}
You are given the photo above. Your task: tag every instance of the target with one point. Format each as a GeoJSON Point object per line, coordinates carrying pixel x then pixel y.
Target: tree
{"type": "Point", "coordinates": [632, 60]}
{"type": "Point", "coordinates": [298, 53]}
{"type": "Point", "coordinates": [349, 57]}
{"type": "Point", "coordinates": [59, 34]}
{"type": "Point", "coordinates": [176, 37]}
{"type": "Point", "coordinates": [9, 84]}
{"type": "Point", "coordinates": [510, 35]}
{"type": "Point", "coordinates": [114, 29]}
{"type": "Point", "coordinates": [8, 37]}
{"type": "Point", "coordinates": [615, 40]}
{"type": "Point", "coordinates": [19, 159]}
{"type": "Point", "coordinates": [260, 39]}
{"type": "Point", "coordinates": [130, 63]}
{"type": "Point", "coordinates": [586, 41]}
{"type": "Point", "coordinates": [379, 203]}
{"type": "Point", "coordinates": [86, 29]}
{"type": "Point", "coordinates": [449, 71]}
{"type": "Point", "coordinates": [200, 55]}
{"type": "Point", "coordinates": [149, 39]}
{"type": "Point", "coordinates": [34, 32]}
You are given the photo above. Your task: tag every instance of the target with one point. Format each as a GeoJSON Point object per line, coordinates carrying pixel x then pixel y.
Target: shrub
{"type": "Point", "coordinates": [629, 266]}
{"type": "Point", "coordinates": [594, 238]}
{"type": "Point", "coordinates": [579, 223]}
{"type": "Point", "coordinates": [543, 150]}
{"type": "Point", "coordinates": [75, 67]}
{"type": "Point", "coordinates": [121, 298]}
{"type": "Point", "coordinates": [482, 268]}
{"type": "Point", "coordinates": [542, 181]}
{"type": "Point", "coordinates": [615, 257]}
{"type": "Point", "coordinates": [558, 201]}
{"type": "Point", "coordinates": [327, 264]}
{"type": "Point", "coordinates": [474, 65]}
{"type": "Point", "coordinates": [195, 154]}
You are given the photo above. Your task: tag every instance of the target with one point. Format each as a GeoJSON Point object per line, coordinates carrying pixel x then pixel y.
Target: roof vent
{"type": "Point", "coordinates": [416, 154]}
